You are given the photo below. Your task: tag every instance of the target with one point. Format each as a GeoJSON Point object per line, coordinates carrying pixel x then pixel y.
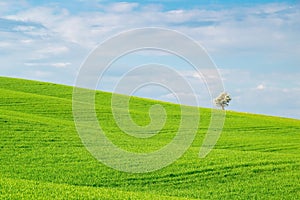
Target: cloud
{"type": "Point", "coordinates": [121, 7]}
{"type": "Point", "coordinates": [57, 65]}
{"type": "Point", "coordinates": [15, 25]}
{"type": "Point", "coordinates": [4, 44]}
{"type": "Point", "coordinates": [218, 30]}
{"type": "Point", "coordinates": [250, 93]}
{"type": "Point", "coordinates": [12, 6]}
{"type": "Point", "coordinates": [260, 87]}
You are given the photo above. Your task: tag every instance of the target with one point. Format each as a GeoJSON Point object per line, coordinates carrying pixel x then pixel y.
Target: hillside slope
{"type": "Point", "coordinates": [42, 156]}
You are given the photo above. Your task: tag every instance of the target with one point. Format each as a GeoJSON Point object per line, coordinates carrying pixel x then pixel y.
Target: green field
{"type": "Point", "coordinates": [42, 156]}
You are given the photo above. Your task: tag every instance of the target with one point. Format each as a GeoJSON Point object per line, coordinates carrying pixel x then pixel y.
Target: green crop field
{"type": "Point", "coordinates": [42, 155]}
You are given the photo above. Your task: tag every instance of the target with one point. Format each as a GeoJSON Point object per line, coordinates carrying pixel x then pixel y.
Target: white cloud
{"type": "Point", "coordinates": [276, 99]}
{"type": "Point", "coordinates": [121, 7]}
{"type": "Point", "coordinates": [4, 44]}
{"type": "Point", "coordinates": [27, 41]}
{"type": "Point", "coordinates": [8, 5]}
{"type": "Point", "coordinates": [57, 65]}
{"type": "Point", "coordinates": [260, 87]}
{"type": "Point", "coordinates": [217, 30]}
{"type": "Point", "coordinates": [61, 64]}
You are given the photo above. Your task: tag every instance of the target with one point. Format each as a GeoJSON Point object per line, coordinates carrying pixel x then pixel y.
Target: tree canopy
{"type": "Point", "coordinates": [222, 100]}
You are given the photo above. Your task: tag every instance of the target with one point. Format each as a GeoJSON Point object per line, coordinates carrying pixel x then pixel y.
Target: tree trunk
{"type": "Point", "coordinates": [223, 108]}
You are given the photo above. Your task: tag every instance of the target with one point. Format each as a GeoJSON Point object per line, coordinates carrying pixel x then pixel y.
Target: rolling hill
{"type": "Point", "coordinates": [42, 155]}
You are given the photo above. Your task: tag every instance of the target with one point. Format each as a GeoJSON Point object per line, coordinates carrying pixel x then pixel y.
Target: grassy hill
{"type": "Point", "coordinates": [42, 156]}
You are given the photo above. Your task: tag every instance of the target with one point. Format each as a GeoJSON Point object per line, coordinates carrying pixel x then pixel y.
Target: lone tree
{"type": "Point", "coordinates": [223, 100]}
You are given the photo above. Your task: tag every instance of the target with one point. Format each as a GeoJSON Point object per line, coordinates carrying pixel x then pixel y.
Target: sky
{"type": "Point", "coordinates": [255, 46]}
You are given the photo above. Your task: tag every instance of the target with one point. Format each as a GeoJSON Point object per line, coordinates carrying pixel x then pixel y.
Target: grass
{"type": "Point", "coordinates": [42, 156]}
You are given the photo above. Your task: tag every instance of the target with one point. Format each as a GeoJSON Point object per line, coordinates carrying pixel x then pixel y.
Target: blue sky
{"type": "Point", "coordinates": [255, 44]}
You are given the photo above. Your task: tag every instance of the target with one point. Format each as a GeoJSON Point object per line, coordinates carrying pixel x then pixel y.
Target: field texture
{"type": "Point", "coordinates": [42, 155]}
